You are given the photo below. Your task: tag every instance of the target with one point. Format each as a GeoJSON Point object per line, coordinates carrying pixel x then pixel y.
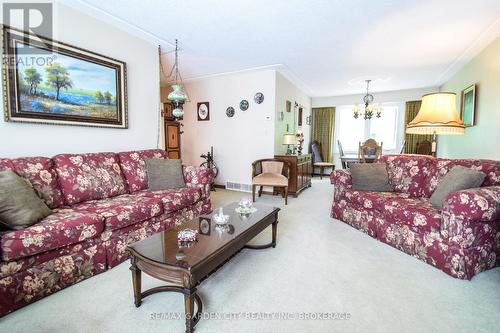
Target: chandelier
{"type": "Point", "coordinates": [371, 108]}
{"type": "Point", "coordinates": [178, 95]}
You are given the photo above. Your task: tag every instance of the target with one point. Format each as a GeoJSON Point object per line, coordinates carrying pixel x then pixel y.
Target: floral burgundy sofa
{"type": "Point", "coordinates": [462, 240]}
{"type": "Point", "coordinates": [100, 204]}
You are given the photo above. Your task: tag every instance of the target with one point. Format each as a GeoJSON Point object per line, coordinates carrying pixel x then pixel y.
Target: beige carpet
{"type": "Point", "coordinates": [319, 265]}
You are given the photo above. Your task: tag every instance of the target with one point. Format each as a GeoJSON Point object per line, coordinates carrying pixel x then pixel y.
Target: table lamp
{"type": "Point", "coordinates": [437, 116]}
{"type": "Point", "coordinates": [289, 139]}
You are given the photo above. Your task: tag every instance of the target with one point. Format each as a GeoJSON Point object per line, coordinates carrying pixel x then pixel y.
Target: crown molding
{"type": "Point", "coordinates": [487, 36]}
{"type": "Point", "coordinates": [102, 15]}
{"type": "Point", "coordinates": [295, 79]}
{"type": "Point", "coordinates": [239, 71]}
{"type": "Point", "coordinates": [281, 68]}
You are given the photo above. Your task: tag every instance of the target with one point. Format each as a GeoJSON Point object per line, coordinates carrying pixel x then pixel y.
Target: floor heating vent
{"type": "Point", "coordinates": [238, 187]}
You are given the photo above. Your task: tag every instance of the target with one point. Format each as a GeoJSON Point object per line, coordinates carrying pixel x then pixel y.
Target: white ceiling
{"type": "Point", "coordinates": [326, 47]}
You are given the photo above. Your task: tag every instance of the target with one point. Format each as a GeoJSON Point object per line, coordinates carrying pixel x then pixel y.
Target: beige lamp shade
{"type": "Point", "coordinates": [289, 139]}
{"type": "Point", "coordinates": [437, 115]}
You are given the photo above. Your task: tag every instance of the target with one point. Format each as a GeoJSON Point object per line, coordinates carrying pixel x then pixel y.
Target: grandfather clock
{"type": "Point", "coordinates": [172, 130]}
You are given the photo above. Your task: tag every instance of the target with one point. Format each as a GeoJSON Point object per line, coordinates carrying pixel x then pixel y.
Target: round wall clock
{"type": "Point", "coordinates": [203, 111]}
{"type": "Point", "coordinates": [244, 105]}
{"type": "Point", "coordinates": [258, 98]}
{"type": "Point", "coordinates": [230, 111]}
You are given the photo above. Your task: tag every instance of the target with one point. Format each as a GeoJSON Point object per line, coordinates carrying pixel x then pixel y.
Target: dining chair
{"type": "Point", "coordinates": [341, 152]}
{"type": "Point", "coordinates": [424, 148]}
{"type": "Point", "coordinates": [369, 148]}
{"type": "Point", "coordinates": [270, 172]}
{"type": "Point", "coordinates": [402, 147]}
{"type": "Point", "coordinates": [317, 159]}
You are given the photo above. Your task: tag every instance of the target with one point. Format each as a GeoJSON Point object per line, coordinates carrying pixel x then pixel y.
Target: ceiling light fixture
{"type": "Point", "coordinates": [371, 108]}
{"type": "Point", "coordinates": [178, 96]}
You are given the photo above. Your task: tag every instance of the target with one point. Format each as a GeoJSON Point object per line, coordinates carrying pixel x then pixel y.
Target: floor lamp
{"type": "Point", "coordinates": [437, 116]}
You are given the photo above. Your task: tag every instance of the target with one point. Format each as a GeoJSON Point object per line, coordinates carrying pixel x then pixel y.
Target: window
{"type": "Point", "coordinates": [384, 129]}
{"type": "Point", "coordinates": [351, 131]}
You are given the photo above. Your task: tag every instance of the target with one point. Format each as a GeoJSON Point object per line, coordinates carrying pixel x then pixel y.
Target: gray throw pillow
{"type": "Point", "coordinates": [370, 177]}
{"type": "Point", "coordinates": [164, 174]}
{"type": "Point", "coordinates": [20, 207]}
{"type": "Point", "coordinates": [457, 179]}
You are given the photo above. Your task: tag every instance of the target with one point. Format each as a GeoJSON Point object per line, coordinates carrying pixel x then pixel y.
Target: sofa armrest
{"type": "Point", "coordinates": [200, 177]}
{"type": "Point", "coordinates": [341, 177]}
{"type": "Point", "coordinates": [468, 214]}
{"type": "Point", "coordinates": [341, 180]}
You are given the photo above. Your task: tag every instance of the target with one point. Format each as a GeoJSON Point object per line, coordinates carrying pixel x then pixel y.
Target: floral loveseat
{"type": "Point", "coordinates": [462, 240]}
{"type": "Point", "coordinates": [100, 204]}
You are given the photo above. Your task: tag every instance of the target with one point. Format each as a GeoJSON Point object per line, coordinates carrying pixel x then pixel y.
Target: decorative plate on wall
{"type": "Point", "coordinates": [244, 105]}
{"type": "Point", "coordinates": [230, 111]}
{"type": "Point", "coordinates": [258, 98]}
{"type": "Point", "coordinates": [203, 111]}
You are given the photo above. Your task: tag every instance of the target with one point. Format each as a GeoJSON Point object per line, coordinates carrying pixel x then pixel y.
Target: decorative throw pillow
{"type": "Point", "coordinates": [370, 177]}
{"type": "Point", "coordinates": [20, 207]}
{"type": "Point", "coordinates": [164, 174]}
{"type": "Point", "coordinates": [457, 179]}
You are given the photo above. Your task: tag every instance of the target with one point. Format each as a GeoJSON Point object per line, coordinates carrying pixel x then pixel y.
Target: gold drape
{"type": "Point", "coordinates": [412, 140]}
{"type": "Point", "coordinates": [322, 131]}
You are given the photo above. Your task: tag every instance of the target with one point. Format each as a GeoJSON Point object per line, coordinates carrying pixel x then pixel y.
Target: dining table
{"type": "Point", "coordinates": [354, 158]}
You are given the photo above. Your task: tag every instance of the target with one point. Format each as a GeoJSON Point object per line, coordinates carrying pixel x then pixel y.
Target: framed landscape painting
{"type": "Point", "coordinates": [468, 106]}
{"type": "Point", "coordinates": [50, 82]}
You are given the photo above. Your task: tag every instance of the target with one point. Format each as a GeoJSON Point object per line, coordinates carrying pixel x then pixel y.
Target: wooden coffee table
{"type": "Point", "coordinates": [161, 256]}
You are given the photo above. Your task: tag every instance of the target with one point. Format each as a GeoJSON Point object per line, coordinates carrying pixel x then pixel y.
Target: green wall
{"type": "Point", "coordinates": [287, 91]}
{"type": "Point", "coordinates": [483, 139]}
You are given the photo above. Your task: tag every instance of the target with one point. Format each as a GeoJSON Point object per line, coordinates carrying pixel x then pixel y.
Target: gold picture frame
{"type": "Point", "coordinates": [468, 106]}
{"type": "Point", "coordinates": [60, 84]}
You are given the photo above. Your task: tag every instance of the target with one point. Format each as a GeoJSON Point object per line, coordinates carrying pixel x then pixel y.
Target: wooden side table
{"type": "Point", "coordinates": [322, 165]}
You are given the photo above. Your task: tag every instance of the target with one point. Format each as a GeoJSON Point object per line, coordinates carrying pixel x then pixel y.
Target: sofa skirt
{"type": "Point", "coordinates": [29, 285]}
{"type": "Point", "coordinates": [430, 246]}
{"type": "Point", "coordinates": [27, 280]}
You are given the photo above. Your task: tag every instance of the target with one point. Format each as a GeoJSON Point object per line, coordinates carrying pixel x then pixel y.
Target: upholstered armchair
{"type": "Point", "coordinates": [270, 172]}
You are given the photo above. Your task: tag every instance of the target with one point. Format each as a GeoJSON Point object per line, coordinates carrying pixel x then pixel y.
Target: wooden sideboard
{"type": "Point", "coordinates": [300, 172]}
